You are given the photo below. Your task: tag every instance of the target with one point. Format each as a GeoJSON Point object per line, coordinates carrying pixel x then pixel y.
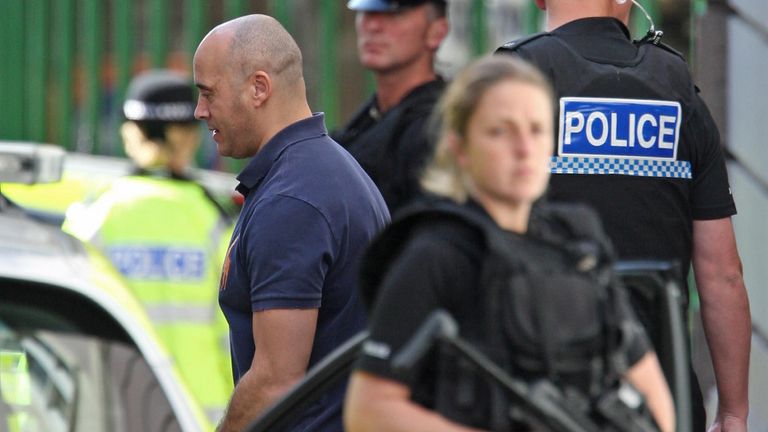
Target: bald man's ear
{"type": "Point", "coordinates": [260, 88]}
{"type": "Point", "coordinates": [542, 4]}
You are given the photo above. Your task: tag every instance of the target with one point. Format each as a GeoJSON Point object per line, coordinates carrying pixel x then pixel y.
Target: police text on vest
{"type": "Point", "coordinates": [626, 128]}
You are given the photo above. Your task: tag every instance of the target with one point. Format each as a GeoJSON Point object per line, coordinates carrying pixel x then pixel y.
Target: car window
{"type": "Point", "coordinates": [55, 378]}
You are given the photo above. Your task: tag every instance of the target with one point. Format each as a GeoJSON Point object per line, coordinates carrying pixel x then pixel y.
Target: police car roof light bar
{"type": "Point", "coordinates": [29, 163]}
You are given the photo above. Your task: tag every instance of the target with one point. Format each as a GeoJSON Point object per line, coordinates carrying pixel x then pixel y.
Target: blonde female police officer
{"type": "Point", "coordinates": [491, 162]}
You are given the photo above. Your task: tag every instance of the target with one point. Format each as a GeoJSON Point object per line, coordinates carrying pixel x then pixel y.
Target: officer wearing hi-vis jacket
{"type": "Point", "coordinates": [636, 141]}
{"type": "Point", "coordinates": [165, 233]}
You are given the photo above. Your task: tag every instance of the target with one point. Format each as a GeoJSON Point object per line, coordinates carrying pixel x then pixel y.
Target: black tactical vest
{"type": "Point", "coordinates": [637, 162]}
{"type": "Point", "coordinates": [551, 310]}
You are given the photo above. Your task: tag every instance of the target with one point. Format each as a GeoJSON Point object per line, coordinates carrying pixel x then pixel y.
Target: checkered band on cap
{"type": "Point", "coordinates": [166, 111]}
{"type": "Point", "coordinates": [621, 166]}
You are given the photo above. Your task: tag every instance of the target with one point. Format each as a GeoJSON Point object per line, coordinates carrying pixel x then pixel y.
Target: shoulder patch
{"type": "Point", "coordinates": [619, 136]}
{"type": "Point", "coordinates": [517, 43]}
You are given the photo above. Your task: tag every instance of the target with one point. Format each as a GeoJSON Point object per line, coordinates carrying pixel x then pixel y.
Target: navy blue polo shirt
{"type": "Point", "coordinates": [309, 213]}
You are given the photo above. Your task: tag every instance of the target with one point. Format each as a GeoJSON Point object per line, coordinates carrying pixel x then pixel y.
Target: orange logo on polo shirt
{"type": "Point", "coordinates": [225, 267]}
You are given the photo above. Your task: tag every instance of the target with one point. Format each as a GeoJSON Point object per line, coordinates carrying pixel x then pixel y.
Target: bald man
{"type": "Point", "coordinates": [288, 286]}
{"type": "Point", "coordinates": [638, 143]}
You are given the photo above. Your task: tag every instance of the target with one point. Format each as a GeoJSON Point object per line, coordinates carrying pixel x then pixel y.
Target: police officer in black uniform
{"type": "Point", "coordinates": [397, 41]}
{"type": "Point", "coordinates": [637, 143]}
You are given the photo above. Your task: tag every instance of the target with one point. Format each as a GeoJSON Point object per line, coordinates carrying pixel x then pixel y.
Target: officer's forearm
{"type": "Point", "coordinates": [724, 311]}
{"type": "Point", "coordinates": [727, 325]}
{"type": "Point", "coordinates": [376, 404]}
{"type": "Point", "coordinates": [647, 377]}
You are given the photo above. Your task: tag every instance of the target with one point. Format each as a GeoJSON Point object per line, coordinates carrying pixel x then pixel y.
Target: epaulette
{"type": "Point", "coordinates": [666, 47]}
{"type": "Point", "coordinates": [517, 43]}
{"type": "Point", "coordinates": [654, 38]}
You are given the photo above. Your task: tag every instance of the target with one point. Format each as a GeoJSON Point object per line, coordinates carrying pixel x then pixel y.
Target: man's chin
{"type": "Point", "coordinates": [227, 152]}
{"type": "Point", "coordinates": [373, 63]}
{"type": "Point", "coordinates": [223, 150]}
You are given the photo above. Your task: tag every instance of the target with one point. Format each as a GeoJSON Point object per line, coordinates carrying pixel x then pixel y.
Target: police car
{"type": "Point", "coordinates": [77, 352]}
{"type": "Point", "coordinates": [84, 176]}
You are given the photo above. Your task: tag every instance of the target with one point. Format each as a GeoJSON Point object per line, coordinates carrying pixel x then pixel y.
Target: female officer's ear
{"type": "Point", "coordinates": [456, 148]}
{"type": "Point", "coordinates": [144, 152]}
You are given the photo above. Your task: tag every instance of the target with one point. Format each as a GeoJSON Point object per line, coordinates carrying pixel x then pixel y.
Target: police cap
{"type": "Point", "coordinates": [160, 96]}
{"type": "Point", "coordinates": [388, 5]}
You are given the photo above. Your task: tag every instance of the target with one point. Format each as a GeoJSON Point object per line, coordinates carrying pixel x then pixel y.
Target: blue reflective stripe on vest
{"type": "Point", "coordinates": [620, 166]}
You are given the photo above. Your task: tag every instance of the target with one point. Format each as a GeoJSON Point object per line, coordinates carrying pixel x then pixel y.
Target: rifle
{"type": "Point", "coordinates": [540, 403]}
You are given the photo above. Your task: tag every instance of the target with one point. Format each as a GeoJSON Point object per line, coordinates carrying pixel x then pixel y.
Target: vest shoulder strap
{"type": "Point", "coordinates": [517, 43]}
{"type": "Point", "coordinates": [385, 248]}
{"type": "Point", "coordinates": [419, 104]}
{"type": "Point", "coordinates": [653, 40]}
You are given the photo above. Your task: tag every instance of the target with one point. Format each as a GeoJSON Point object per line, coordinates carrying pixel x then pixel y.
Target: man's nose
{"type": "Point", "coordinates": [201, 110]}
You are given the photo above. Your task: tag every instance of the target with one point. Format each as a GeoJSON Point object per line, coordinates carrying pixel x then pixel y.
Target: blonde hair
{"type": "Point", "coordinates": [176, 152]}
{"type": "Point", "coordinates": [443, 176]}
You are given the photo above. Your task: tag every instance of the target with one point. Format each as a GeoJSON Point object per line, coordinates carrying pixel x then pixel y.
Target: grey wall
{"type": "Point", "coordinates": [746, 136]}
{"type": "Point", "coordinates": [747, 111]}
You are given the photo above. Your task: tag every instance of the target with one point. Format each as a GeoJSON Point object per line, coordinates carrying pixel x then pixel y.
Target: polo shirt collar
{"type": "Point", "coordinates": [261, 163]}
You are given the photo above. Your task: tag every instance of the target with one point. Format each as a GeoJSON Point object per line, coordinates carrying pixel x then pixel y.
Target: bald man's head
{"type": "Point", "coordinates": [260, 42]}
{"type": "Point", "coordinates": [249, 74]}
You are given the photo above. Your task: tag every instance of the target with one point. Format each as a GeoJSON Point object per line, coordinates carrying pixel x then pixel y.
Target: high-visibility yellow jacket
{"type": "Point", "coordinates": [165, 237]}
